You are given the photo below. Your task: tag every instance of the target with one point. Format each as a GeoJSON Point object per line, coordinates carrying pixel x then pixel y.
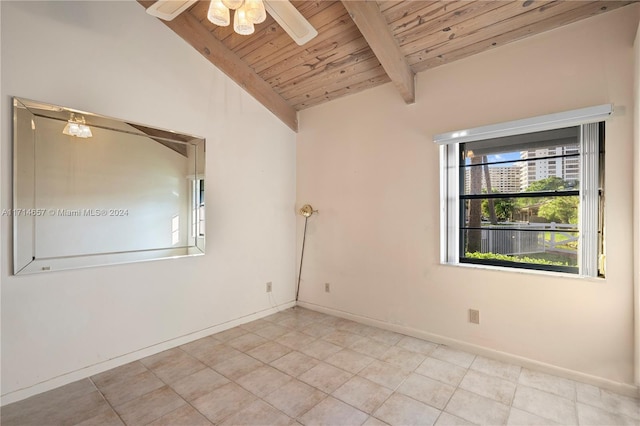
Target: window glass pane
{"type": "Point", "coordinates": [552, 168]}
{"type": "Point", "coordinates": [522, 210]}
{"type": "Point", "coordinates": [521, 227]}
{"type": "Point", "coordinates": [551, 247]}
{"type": "Point", "coordinates": [557, 174]}
{"type": "Point", "coordinates": [525, 142]}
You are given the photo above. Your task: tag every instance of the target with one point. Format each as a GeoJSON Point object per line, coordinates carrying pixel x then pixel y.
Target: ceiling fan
{"type": "Point", "coordinates": [282, 11]}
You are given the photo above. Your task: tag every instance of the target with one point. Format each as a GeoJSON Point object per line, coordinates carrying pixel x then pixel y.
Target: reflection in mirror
{"type": "Point", "coordinates": [92, 190]}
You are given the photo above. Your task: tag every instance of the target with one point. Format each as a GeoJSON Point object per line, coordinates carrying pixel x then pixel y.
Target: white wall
{"type": "Point", "coordinates": [368, 163]}
{"type": "Point", "coordinates": [112, 58]}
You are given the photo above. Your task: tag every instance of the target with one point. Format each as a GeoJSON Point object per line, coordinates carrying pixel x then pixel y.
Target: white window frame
{"type": "Point", "coordinates": [588, 218]}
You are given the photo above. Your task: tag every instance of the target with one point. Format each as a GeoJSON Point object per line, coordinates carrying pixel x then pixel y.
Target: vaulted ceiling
{"type": "Point", "coordinates": [362, 44]}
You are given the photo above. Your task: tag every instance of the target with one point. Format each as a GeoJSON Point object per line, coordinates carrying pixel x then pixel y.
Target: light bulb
{"type": "Point", "coordinates": [241, 23]}
{"type": "Point", "coordinates": [233, 4]}
{"type": "Point", "coordinates": [218, 13]}
{"type": "Point", "coordinates": [84, 131]}
{"type": "Point", "coordinates": [255, 11]}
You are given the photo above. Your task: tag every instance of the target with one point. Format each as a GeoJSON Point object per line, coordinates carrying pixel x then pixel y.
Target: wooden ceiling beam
{"type": "Point", "coordinates": [193, 32]}
{"type": "Point", "coordinates": [374, 28]}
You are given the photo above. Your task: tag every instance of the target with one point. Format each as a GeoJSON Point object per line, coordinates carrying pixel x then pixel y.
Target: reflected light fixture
{"type": "Point", "coordinates": [246, 14]}
{"type": "Point", "coordinates": [77, 127]}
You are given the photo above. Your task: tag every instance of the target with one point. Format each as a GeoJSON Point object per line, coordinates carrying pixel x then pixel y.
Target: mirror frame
{"type": "Point", "coordinates": [24, 245]}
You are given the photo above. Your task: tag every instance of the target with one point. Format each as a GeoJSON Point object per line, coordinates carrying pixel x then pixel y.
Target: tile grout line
{"type": "Point", "coordinates": [575, 402]}
{"type": "Point", "coordinates": [548, 393]}
{"type": "Point", "coordinates": [329, 394]}
{"type": "Point", "coordinates": [454, 392]}
{"type": "Point", "coordinates": [395, 390]}
{"type": "Point", "coordinates": [269, 365]}
{"type": "Point", "coordinates": [170, 387]}
{"type": "Point", "coordinates": [258, 396]}
{"type": "Point", "coordinates": [515, 391]}
{"type": "Point", "coordinates": [401, 383]}
{"type": "Point", "coordinates": [107, 401]}
{"type": "Point", "coordinates": [228, 378]}
{"type": "Point", "coordinates": [299, 418]}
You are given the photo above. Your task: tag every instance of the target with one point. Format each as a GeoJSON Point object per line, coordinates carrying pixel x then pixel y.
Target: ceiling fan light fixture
{"type": "Point", "coordinates": [233, 4]}
{"type": "Point", "coordinates": [218, 13]}
{"type": "Point", "coordinates": [251, 12]}
{"type": "Point", "coordinates": [241, 23]}
{"type": "Point", "coordinates": [255, 11]}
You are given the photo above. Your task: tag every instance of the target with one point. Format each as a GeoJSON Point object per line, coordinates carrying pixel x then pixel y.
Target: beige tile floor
{"type": "Point", "coordinates": [300, 366]}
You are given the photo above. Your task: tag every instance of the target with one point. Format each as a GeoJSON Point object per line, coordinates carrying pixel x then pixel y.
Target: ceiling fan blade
{"type": "Point", "coordinates": [291, 20]}
{"type": "Point", "coordinates": [169, 9]}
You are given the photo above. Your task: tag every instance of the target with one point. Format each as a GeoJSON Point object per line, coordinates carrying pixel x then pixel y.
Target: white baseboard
{"type": "Point", "coordinates": [94, 369]}
{"type": "Point", "coordinates": [618, 387]}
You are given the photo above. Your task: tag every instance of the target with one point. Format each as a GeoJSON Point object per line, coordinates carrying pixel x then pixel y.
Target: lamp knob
{"type": "Point", "coordinates": [307, 210]}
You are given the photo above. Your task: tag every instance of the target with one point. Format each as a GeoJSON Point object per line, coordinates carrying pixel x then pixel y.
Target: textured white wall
{"type": "Point", "coordinates": [114, 59]}
{"type": "Point", "coordinates": [368, 163]}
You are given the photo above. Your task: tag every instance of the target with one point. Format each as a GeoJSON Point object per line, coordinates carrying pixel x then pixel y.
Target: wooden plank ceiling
{"type": "Point", "coordinates": [362, 44]}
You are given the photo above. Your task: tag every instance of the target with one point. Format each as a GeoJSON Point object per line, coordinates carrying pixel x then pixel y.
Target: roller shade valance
{"type": "Point", "coordinates": [527, 125]}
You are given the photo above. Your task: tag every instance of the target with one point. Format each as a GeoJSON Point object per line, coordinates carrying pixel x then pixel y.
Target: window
{"type": "Point", "coordinates": [200, 207]}
{"type": "Point", "coordinates": [197, 214]}
{"type": "Point", "coordinates": [526, 196]}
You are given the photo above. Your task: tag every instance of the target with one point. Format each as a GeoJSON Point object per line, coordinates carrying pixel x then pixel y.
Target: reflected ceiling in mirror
{"type": "Point", "coordinates": [92, 190]}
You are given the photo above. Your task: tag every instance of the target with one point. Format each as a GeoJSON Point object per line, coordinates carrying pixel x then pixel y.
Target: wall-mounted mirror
{"type": "Point", "coordinates": [92, 190]}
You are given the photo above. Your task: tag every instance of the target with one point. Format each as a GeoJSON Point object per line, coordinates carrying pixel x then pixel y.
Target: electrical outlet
{"type": "Point", "coordinates": [269, 287]}
{"type": "Point", "coordinates": [474, 316]}
{"type": "Point", "coordinates": [327, 287]}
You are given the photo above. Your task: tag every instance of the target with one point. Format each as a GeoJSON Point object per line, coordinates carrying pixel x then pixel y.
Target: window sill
{"type": "Point", "coordinates": [504, 269]}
